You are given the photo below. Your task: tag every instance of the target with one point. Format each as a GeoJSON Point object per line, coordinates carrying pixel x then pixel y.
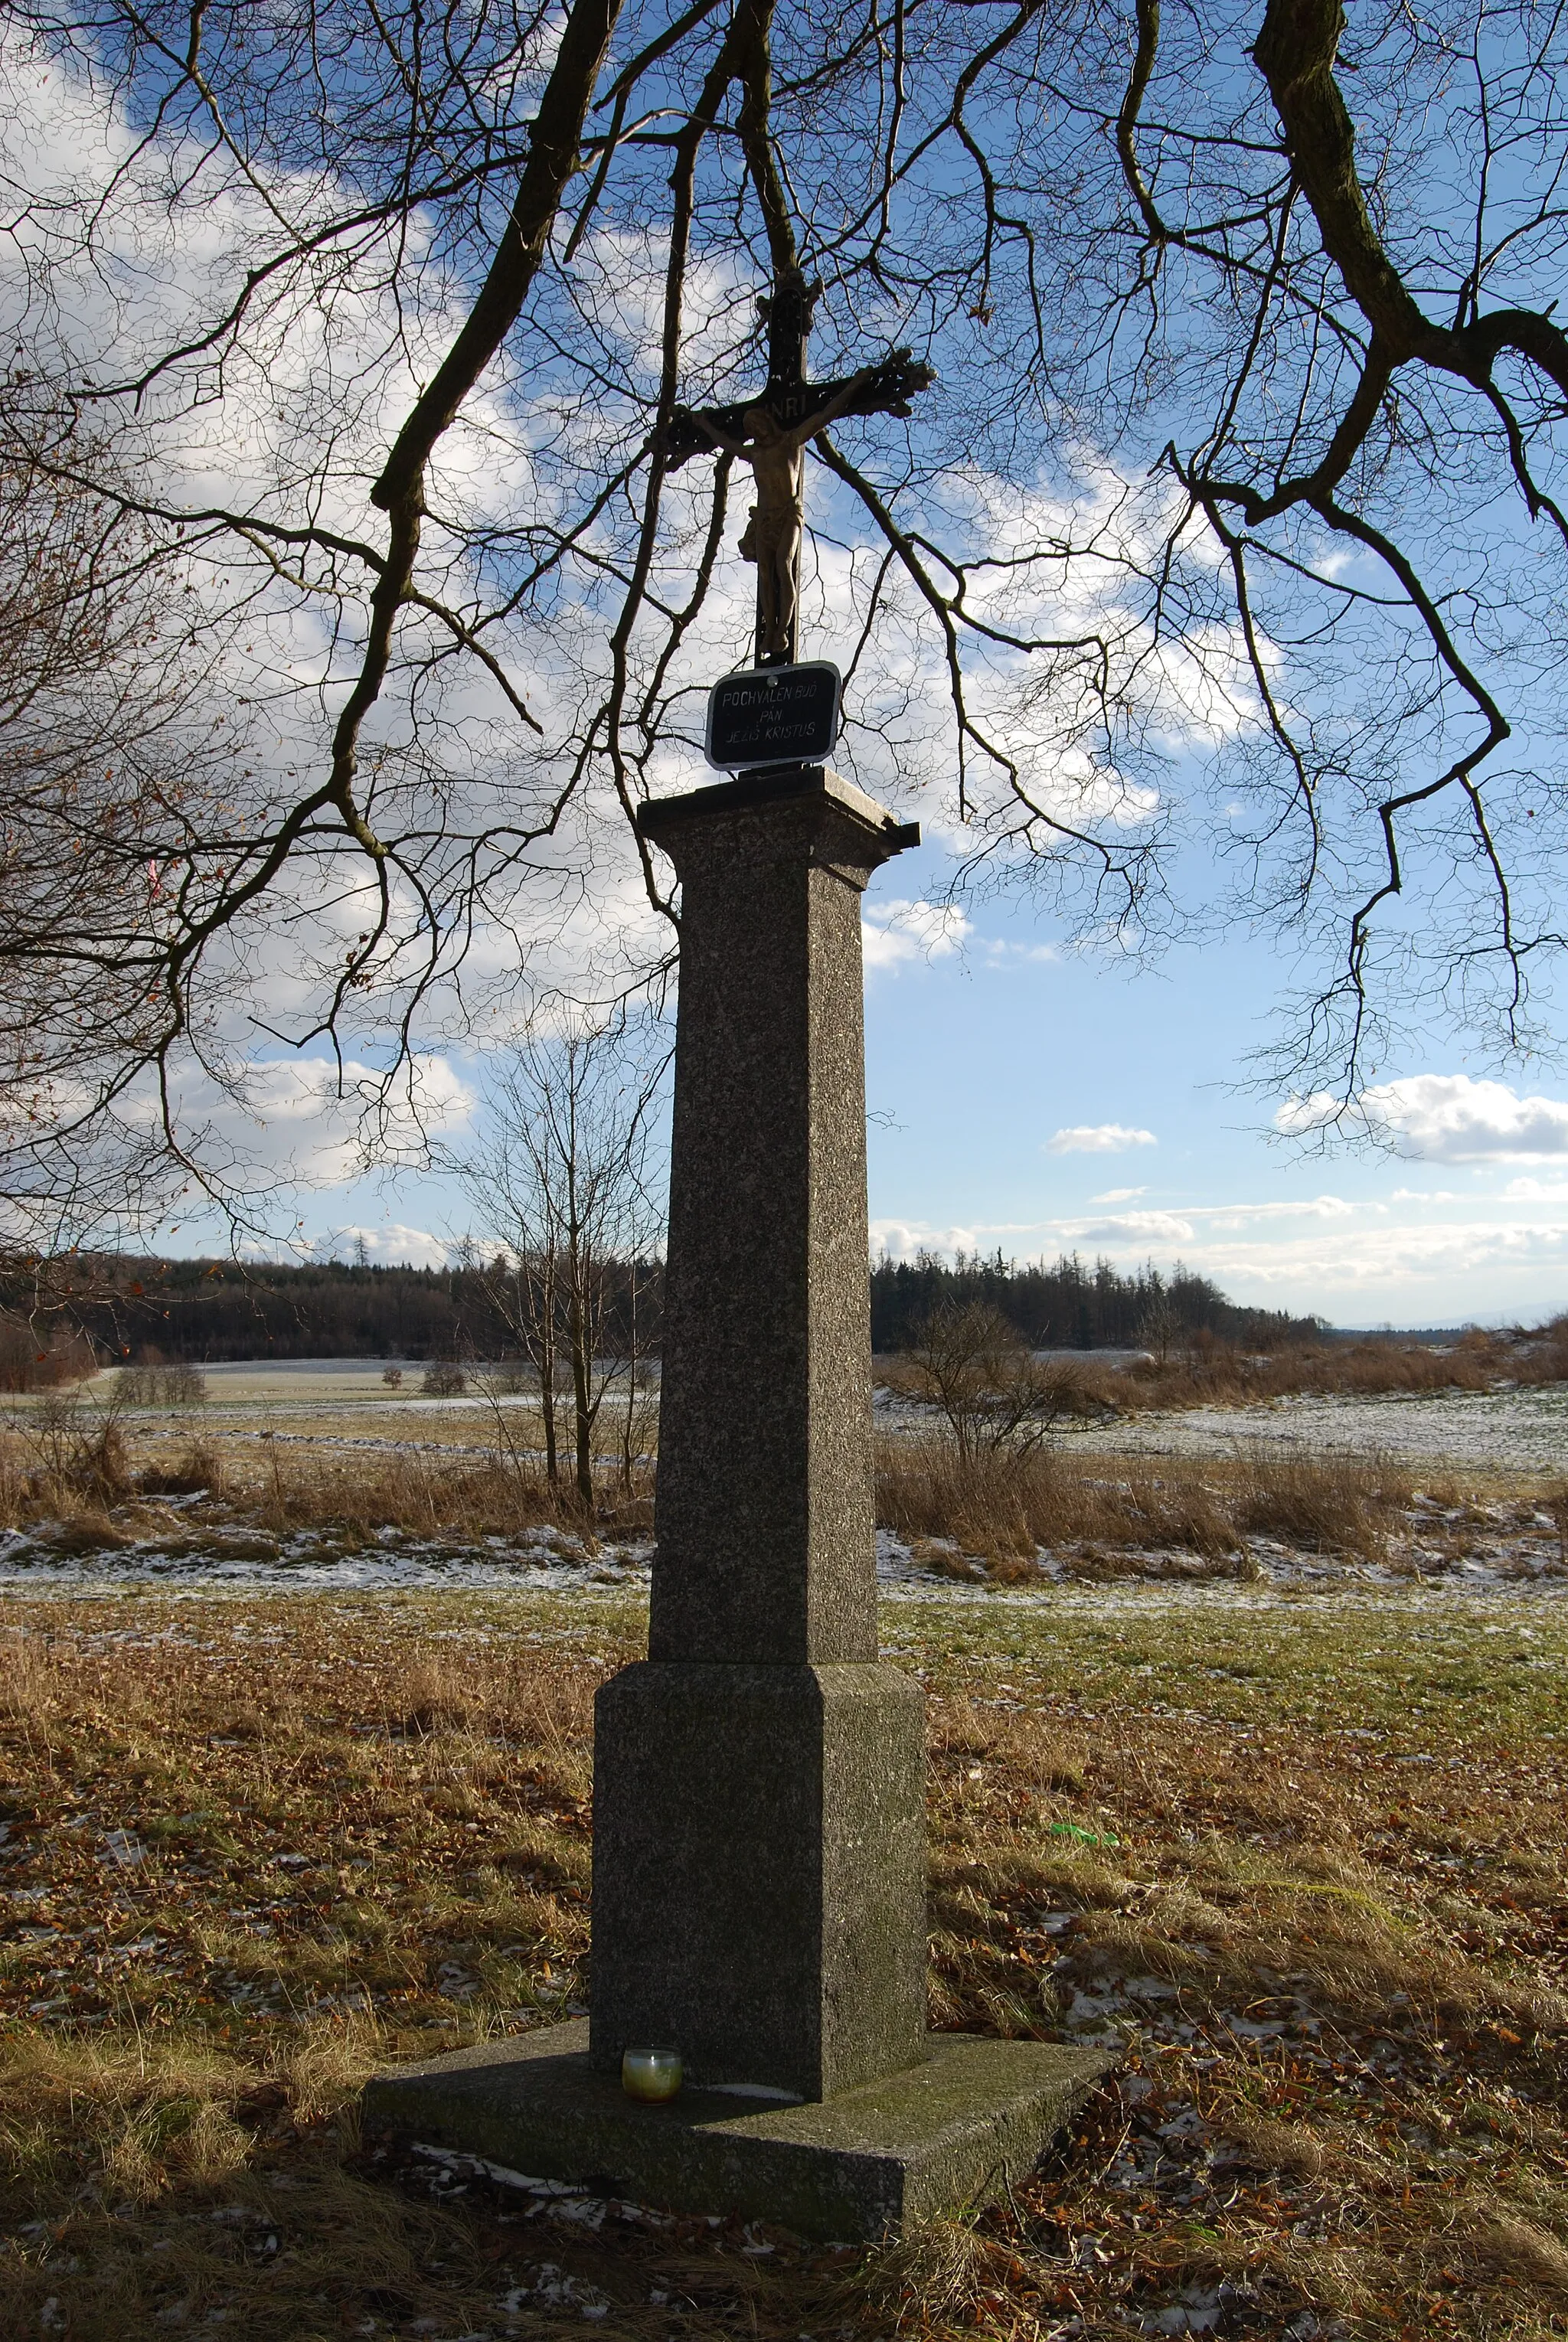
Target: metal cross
{"type": "Point", "coordinates": [769, 431]}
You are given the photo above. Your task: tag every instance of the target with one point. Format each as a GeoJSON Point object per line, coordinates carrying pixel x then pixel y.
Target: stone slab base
{"type": "Point", "coordinates": [950, 2132]}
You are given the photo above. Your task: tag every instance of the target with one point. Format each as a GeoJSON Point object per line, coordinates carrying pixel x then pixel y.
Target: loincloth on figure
{"type": "Point", "coordinates": [772, 529]}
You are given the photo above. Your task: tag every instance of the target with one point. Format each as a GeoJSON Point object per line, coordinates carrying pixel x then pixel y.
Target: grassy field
{"type": "Point", "coordinates": [286, 1466]}
{"type": "Point", "coordinates": [1304, 1858]}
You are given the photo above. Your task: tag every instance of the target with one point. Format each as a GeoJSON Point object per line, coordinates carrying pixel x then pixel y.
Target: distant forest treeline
{"type": "Point", "coordinates": [1071, 1306]}
{"type": "Point", "coordinates": [205, 1310]}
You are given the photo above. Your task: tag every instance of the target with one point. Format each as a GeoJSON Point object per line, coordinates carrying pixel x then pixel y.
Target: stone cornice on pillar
{"type": "Point", "coordinates": [855, 833]}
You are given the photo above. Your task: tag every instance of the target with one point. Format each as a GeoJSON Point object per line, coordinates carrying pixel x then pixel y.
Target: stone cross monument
{"type": "Point", "coordinates": [758, 1810]}
{"type": "Point", "coordinates": [759, 1839]}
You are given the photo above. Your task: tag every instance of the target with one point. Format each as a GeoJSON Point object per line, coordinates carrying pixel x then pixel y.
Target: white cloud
{"type": "Point", "coordinates": [388, 1247]}
{"type": "Point", "coordinates": [1119, 1196]}
{"type": "Point", "coordinates": [1099, 1138]}
{"type": "Point", "coordinates": [893, 933]}
{"type": "Point", "coordinates": [1357, 1262]}
{"type": "Point", "coordinates": [1141, 1228]}
{"type": "Point", "coordinates": [1444, 1118]}
{"type": "Point", "coordinates": [1000, 955]}
{"type": "Point", "coordinates": [1295, 1207]}
{"type": "Point", "coordinates": [306, 1122]}
{"type": "Point", "coordinates": [904, 1239]}
{"type": "Point", "coordinates": [1394, 1260]}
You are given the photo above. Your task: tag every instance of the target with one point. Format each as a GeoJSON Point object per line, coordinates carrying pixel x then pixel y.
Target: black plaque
{"type": "Point", "coordinates": [774, 716]}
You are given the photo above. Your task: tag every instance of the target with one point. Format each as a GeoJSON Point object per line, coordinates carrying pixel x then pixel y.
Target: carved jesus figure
{"type": "Point", "coordinates": [772, 537]}
{"type": "Point", "coordinates": [770, 433]}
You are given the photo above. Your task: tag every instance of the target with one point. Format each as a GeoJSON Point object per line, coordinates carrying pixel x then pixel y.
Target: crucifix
{"type": "Point", "coordinates": [769, 431]}
{"type": "Point", "coordinates": [759, 1837]}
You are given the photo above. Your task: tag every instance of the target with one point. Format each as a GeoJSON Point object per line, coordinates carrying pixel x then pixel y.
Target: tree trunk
{"type": "Point", "coordinates": [582, 1392]}
{"type": "Point", "coordinates": [630, 1380]}
{"type": "Point", "coordinates": [546, 1354]}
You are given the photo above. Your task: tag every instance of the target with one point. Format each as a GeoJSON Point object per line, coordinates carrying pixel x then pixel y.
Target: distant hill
{"type": "Point", "coordinates": [1071, 1306]}
{"type": "Point", "coordinates": [211, 1310]}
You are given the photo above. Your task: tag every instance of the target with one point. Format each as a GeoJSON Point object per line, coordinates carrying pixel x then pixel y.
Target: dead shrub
{"type": "Point", "coordinates": [1557, 1504]}
{"type": "Point", "coordinates": [1108, 1516]}
{"type": "Point", "coordinates": [1322, 1503]}
{"type": "Point", "coordinates": [985, 1502]}
{"type": "Point", "coordinates": [14, 1505]}
{"type": "Point", "coordinates": [946, 1561]}
{"type": "Point", "coordinates": [158, 1384]}
{"type": "Point", "coordinates": [1167, 1505]}
{"type": "Point", "coordinates": [1005, 1569]}
{"type": "Point", "coordinates": [458, 1499]}
{"type": "Point", "coordinates": [75, 1450]}
{"type": "Point", "coordinates": [997, 1395]}
{"type": "Point", "coordinates": [1545, 1356]}
{"type": "Point", "coordinates": [198, 1470]}
{"type": "Point", "coordinates": [1201, 1370]}
{"type": "Point", "coordinates": [32, 1359]}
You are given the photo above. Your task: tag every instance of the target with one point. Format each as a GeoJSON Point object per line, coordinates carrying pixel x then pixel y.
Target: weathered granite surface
{"type": "Point", "coordinates": [759, 1846]}
{"type": "Point", "coordinates": [759, 1871]}
{"type": "Point", "coordinates": [955, 2130]}
{"type": "Point", "coordinates": [764, 1500]}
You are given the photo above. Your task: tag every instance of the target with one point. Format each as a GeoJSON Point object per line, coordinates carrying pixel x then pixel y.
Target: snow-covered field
{"type": "Point", "coordinates": [1490, 1550]}
{"type": "Point", "coordinates": [1506, 1431]}
{"type": "Point", "coordinates": [544, 1562]}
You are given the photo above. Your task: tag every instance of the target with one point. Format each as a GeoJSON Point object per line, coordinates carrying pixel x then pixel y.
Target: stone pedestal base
{"type": "Point", "coordinates": [759, 1871]}
{"type": "Point", "coordinates": [955, 2130]}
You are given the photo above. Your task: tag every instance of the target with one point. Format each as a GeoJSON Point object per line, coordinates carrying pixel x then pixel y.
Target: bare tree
{"type": "Point", "coordinates": [562, 1180]}
{"type": "Point", "coordinates": [107, 751]}
{"type": "Point", "coordinates": [995, 1393]}
{"type": "Point", "coordinates": [1244, 451]}
{"type": "Point", "coordinates": [1160, 1320]}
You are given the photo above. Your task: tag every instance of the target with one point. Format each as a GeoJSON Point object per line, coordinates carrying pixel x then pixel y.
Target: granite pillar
{"type": "Point", "coordinates": [759, 1843]}
{"type": "Point", "coordinates": [764, 1501]}
{"type": "Point", "coordinates": [759, 1897]}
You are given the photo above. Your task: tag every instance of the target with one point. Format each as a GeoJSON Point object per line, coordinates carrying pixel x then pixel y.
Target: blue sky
{"type": "Point", "coordinates": [1041, 1099]}
{"type": "Point", "coordinates": [1026, 1094]}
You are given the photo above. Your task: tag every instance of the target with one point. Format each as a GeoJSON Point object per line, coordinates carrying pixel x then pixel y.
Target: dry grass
{"type": "Point", "coordinates": [79, 1480]}
{"type": "Point", "coordinates": [457, 1498]}
{"type": "Point", "coordinates": [1000, 1508]}
{"type": "Point", "coordinates": [71, 1469]}
{"type": "Point", "coordinates": [1201, 1371]}
{"type": "Point", "coordinates": [1210, 1373]}
{"type": "Point", "coordinates": [1339, 1959]}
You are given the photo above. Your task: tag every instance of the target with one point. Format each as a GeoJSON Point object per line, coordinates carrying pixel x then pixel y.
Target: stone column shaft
{"type": "Point", "coordinates": [765, 1506]}
{"type": "Point", "coordinates": [758, 1895]}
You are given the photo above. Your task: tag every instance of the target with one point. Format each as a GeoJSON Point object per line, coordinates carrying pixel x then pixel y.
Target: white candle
{"type": "Point", "coordinates": [653, 2075]}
